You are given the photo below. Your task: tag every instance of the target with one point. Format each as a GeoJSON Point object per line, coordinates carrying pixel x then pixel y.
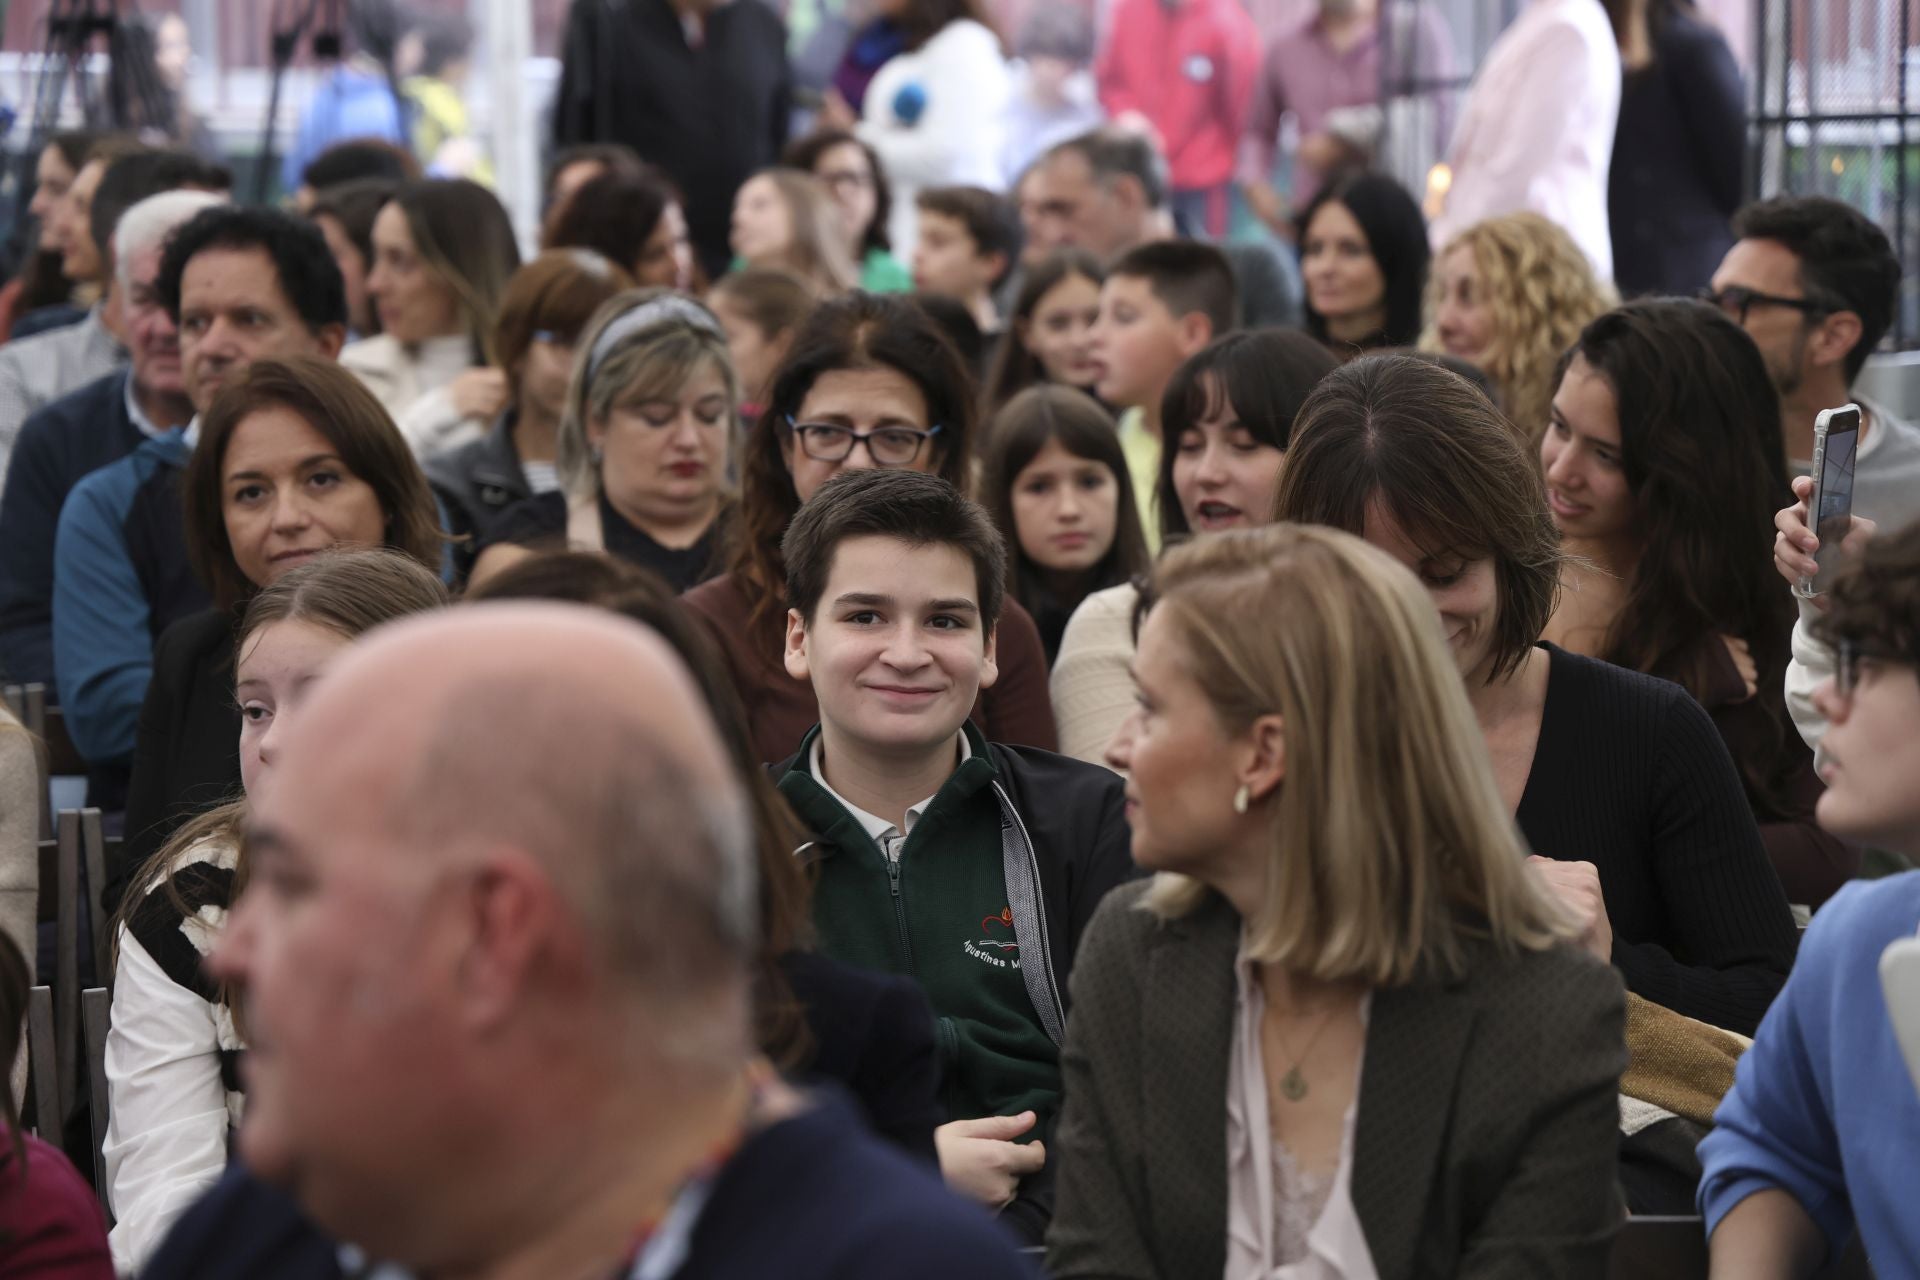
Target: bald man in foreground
{"type": "Point", "coordinates": [495, 949]}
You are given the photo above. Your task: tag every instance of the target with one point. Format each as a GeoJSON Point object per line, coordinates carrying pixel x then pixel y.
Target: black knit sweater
{"type": "Point", "coordinates": [1631, 775]}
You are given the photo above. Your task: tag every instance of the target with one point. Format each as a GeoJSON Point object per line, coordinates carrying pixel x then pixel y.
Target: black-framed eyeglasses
{"type": "Point", "coordinates": [1846, 668]}
{"type": "Point", "coordinates": [1736, 300]}
{"type": "Point", "coordinates": [887, 446]}
{"type": "Point", "coordinates": [847, 180]}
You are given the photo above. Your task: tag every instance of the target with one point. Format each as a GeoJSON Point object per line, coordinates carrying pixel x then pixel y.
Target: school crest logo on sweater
{"type": "Point", "coordinates": [996, 945]}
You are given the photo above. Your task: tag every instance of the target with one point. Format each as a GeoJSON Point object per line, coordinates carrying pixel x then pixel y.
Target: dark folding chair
{"type": "Point", "coordinates": [44, 1091]}
{"type": "Point", "coordinates": [96, 1008]}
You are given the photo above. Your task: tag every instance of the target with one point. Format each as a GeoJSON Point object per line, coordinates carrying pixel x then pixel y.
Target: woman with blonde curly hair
{"type": "Point", "coordinates": [1509, 294]}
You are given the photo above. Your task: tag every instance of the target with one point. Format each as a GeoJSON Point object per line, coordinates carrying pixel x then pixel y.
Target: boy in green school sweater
{"type": "Point", "coordinates": [969, 866]}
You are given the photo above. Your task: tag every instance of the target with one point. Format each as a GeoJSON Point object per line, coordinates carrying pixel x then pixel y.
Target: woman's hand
{"type": "Point", "coordinates": [479, 393]}
{"type": "Point", "coordinates": [1577, 886]}
{"type": "Point", "coordinates": [980, 1160]}
{"type": "Point", "coordinates": [1795, 543]}
{"type": "Point", "coordinates": [1743, 663]}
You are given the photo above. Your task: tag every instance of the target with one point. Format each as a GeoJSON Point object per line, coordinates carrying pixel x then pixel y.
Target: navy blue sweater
{"type": "Point", "coordinates": [57, 446]}
{"type": "Point", "coordinates": [121, 577]}
{"type": "Point", "coordinates": [811, 1198]}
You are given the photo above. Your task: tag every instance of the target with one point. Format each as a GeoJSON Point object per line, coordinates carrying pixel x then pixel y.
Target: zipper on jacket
{"type": "Point", "coordinates": [1054, 1019]}
{"type": "Point", "coordinates": [892, 853]}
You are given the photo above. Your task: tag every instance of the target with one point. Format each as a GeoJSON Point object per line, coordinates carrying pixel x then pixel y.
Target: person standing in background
{"type": "Point", "coordinates": [1676, 180]}
{"type": "Point", "coordinates": [1053, 94]}
{"type": "Point", "coordinates": [1326, 73]}
{"type": "Point", "coordinates": [699, 88]}
{"type": "Point", "coordinates": [1183, 71]}
{"type": "Point", "coordinates": [360, 97]}
{"type": "Point", "coordinates": [933, 112]}
{"type": "Point", "coordinates": [1537, 128]}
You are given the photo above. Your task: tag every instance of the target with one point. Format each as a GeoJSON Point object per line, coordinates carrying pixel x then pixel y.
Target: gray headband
{"type": "Point", "coordinates": [671, 306]}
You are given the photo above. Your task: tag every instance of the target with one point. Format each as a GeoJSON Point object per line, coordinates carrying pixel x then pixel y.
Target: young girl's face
{"type": "Point", "coordinates": [1060, 333]}
{"type": "Point", "coordinates": [762, 225]}
{"type": "Point", "coordinates": [756, 354]}
{"type": "Point", "coordinates": [1223, 475]}
{"type": "Point", "coordinates": [1066, 510]}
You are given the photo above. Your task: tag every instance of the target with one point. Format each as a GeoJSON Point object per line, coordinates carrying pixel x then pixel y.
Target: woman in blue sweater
{"type": "Point", "coordinates": [1820, 1135]}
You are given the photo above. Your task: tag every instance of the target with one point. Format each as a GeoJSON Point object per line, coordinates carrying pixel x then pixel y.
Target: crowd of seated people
{"type": "Point", "coordinates": [1315, 772]}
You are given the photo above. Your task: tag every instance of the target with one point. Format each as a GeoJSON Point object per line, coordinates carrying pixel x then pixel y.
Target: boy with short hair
{"type": "Point", "coordinates": [969, 240]}
{"type": "Point", "coordinates": [1161, 303]}
{"type": "Point", "coordinates": [969, 866]}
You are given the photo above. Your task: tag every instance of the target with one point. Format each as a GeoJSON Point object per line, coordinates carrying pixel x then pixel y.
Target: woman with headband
{"type": "Point", "coordinates": [643, 448]}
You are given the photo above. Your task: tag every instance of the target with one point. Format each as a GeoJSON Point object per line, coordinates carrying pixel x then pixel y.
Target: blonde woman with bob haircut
{"type": "Point", "coordinates": [643, 448]}
{"type": "Point", "coordinates": [1342, 1032]}
{"type": "Point", "coordinates": [1508, 295]}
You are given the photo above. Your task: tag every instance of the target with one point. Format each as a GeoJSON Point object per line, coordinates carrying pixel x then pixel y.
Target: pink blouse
{"type": "Point", "coordinates": [1282, 1224]}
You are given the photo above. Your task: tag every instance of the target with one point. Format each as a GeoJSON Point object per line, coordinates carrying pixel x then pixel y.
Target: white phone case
{"type": "Point", "coordinates": [1900, 980]}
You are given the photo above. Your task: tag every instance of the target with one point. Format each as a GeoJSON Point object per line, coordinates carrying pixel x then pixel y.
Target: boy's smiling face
{"type": "Point", "coordinates": [896, 648]}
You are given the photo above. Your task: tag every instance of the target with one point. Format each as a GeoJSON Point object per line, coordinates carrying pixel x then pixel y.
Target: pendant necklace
{"type": "Point", "coordinates": [1293, 1085]}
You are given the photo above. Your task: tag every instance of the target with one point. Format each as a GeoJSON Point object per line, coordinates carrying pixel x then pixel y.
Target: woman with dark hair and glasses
{"type": "Point", "coordinates": [851, 172]}
{"type": "Point", "coordinates": [1664, 467]}
{"type": "Point", "coordinates": [868, 382]}
{"type": "Point", "coordinates": [644, 447]}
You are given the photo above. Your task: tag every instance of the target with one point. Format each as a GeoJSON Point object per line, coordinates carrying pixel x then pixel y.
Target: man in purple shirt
{"type": "Point", "coordinates": [1326, 74]}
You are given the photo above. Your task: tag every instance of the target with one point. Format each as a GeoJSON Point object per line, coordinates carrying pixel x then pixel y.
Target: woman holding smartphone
{"type": "Point", "coordinates": [1664, 467]}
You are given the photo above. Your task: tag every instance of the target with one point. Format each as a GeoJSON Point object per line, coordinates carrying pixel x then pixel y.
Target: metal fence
{"type": "Point", "coordinates": [1836, 111]}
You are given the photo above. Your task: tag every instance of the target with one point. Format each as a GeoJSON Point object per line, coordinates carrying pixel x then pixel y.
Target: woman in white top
{"type": "Point", "coordinates": [1228, 414]}
{"type": "Point", "coordinates": [1536, 132]}
{"type": "Point", "coordinates": [1339, 1035]}
{"type": "Point", "coordinates": [173, 1049]}
{"type": "Point", "coordinates": [934, 111]}
{"type": "Point", "coordinates": [443, 251]}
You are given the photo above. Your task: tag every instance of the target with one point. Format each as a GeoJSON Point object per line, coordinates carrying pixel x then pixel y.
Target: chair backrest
{"type": "Point", "coordinates": [44, 1086]}
{"type": "Point", "coordinates": [96, 1009]}
{"type": "Point", "coordinates": [80, 843]}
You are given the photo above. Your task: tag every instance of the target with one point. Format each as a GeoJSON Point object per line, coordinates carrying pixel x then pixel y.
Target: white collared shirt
{"type": "Point", "coordinates": [141, 421]}
{"type": "Point", "coordinates": [888, 837]}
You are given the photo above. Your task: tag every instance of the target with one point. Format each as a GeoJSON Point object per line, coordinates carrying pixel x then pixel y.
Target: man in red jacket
{"type": "Point", "coordinates": [1185, 71]}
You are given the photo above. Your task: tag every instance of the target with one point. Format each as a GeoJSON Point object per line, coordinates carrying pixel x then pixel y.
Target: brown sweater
{"type": "Point", "coordinates": [1812, 863]}
{"type": "Point", "coordinates": [780, 709]}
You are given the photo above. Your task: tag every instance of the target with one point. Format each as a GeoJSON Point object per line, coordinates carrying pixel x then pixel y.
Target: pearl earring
{"type": "Point", "coordinates": [1242, 798]}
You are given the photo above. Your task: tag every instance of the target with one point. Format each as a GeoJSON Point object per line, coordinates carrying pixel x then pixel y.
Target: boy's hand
{"type": "Point", "coordinates": [1795, 543]}
{"type": "Point", "coordinates": [980, 1160]}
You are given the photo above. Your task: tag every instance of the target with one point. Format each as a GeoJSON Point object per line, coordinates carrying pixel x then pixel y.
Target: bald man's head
{"type": "Point", "coordinates": [569, 733]}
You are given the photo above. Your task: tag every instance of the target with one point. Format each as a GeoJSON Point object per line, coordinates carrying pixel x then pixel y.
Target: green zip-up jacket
{"type": "Point", "coordinates": [940, 914]}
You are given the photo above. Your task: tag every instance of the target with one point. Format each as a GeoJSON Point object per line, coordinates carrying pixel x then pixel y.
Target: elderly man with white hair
{"type": "Point", "coordinates": [87, 429]}
{"type": "Point", "coordinates": [495, 954]}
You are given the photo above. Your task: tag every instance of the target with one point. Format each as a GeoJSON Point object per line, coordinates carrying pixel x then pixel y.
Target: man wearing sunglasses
{"type": "Point", "coordinates": [1813, 282]}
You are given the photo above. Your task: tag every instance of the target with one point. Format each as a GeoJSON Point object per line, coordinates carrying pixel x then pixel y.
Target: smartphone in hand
{"type": "Point", "coordinates": [1836, 441]}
